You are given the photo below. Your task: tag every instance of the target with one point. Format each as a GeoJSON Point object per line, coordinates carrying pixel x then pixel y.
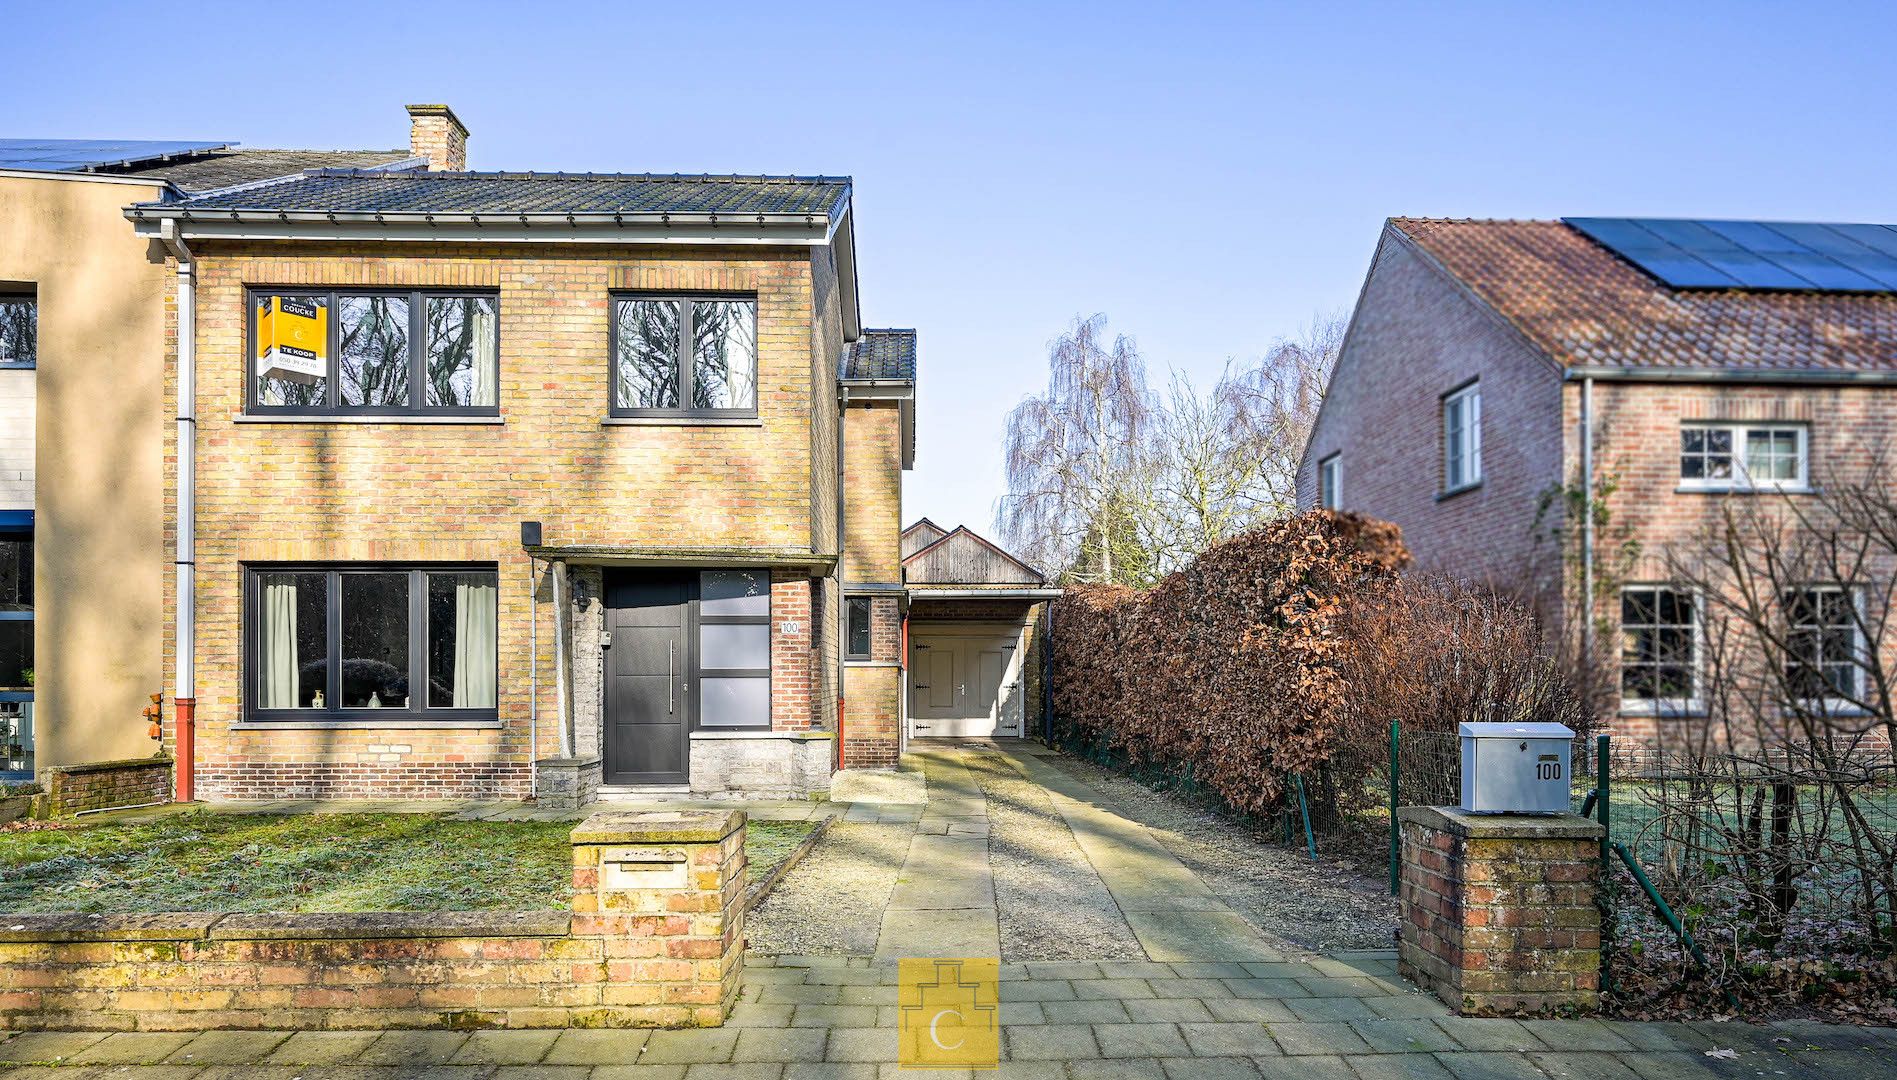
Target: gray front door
{"type": "Point", "coordinates": [648, 678]}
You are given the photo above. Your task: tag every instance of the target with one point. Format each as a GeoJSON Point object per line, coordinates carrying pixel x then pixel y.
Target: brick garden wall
{"type": "Point", "coordinates": [105, 785]}
{"type": "Point", "coordinates": [371, 492]}
{"type": "Point", "coordinates": [621, 958]}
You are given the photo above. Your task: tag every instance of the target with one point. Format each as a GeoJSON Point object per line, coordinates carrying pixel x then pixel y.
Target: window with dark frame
{"type": "Point", "coordinates": [683, 356]}
{"type": "Point", "coordinates": [374, 352]}
{"type": "Point", "coordinates": [734, 649]}
{"type": "Point", "coordinates": [1659, 648]}
{"type": "Point", "coordinates": [1824, 647]}
{"type": "Point", "coordinates": [857, 629]}
{"type": "Point", "coordinates": [372, 642]}
{"type": "Point", "coordinates": [19, 330]}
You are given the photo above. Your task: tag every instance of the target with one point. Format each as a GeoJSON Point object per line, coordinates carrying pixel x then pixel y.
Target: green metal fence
{"type": "Point", "coordinates": [1741, 858]}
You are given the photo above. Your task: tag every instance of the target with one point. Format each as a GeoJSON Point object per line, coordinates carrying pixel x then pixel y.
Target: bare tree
{"type": "Point", "coordinates": [1109, 484]}
{"type": "Point", "coordinates": [1787, 775]}
{"type": "Point", "coordinates": [1077, 462]}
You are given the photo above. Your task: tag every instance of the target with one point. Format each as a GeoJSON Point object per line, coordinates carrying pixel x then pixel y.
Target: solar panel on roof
{"type": "Point", "coordinates": [1752, 254]}
{"type": "Point", "coordinates": [73, 155]}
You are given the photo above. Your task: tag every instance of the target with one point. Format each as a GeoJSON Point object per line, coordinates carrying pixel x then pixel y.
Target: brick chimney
{"type": "Point", "coordinates": [436, 133]}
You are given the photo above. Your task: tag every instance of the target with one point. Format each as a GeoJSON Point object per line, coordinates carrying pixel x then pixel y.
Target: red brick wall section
{"type": "Point", "coordinates": [793, 652]}
{"type": "Point", "coordinates": [657, 958]}
{"type": "Point", "coordinates": [106, 785]}
{"type": "Point", "coordinates": [1637, 445]}
{"type": "Point", "coordinates": [1498, 915]}
{"type": "Point", "coordinates": [1416, 336]}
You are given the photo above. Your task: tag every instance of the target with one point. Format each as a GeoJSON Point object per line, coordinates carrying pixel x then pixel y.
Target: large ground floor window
{"type": "Point", "coordinates": [362, 642]}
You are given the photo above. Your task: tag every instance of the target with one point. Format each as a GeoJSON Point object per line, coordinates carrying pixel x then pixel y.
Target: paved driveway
{"type": "Point", "coordinates": [1181, 987]}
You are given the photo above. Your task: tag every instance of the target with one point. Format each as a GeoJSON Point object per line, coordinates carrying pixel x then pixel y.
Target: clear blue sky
{"type": "Point", "coordinates": [1210, 177]}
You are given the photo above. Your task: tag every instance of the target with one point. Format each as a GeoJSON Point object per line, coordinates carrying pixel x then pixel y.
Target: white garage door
{"type": "Point", "coordinates": [965, 681]}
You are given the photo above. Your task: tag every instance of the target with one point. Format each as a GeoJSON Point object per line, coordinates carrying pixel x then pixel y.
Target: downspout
{"type": "Point", "coordinates": [184, 693]}
{"type": "Point", "coordinates": [1587, 522]}
{"type": "Point", "coordinates": [560, 674]}
{"type": "Point", "coordinates": [842, 614]}
{"type": "Point", "coordinates": [1047, 674]}
{"type": "Point", "coordinates": [533, 678]}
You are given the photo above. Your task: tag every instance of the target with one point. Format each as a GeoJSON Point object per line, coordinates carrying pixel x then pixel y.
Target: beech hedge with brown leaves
{"type": "Point", "coordinates": [1287, 651]}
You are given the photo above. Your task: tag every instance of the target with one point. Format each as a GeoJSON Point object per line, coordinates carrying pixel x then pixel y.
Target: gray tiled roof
{"type": "Point", "coordinates": [348, 190]}
{"type": "Point", "coordinates": [883, 355]}
{"type": "Point", "coordinates": [215, 169]}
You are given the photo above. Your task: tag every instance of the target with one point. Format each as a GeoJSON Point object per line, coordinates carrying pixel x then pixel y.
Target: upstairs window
{"type": "Point", "coordinates": [1659, 650]}
{"type": "Point", "coordinates": [374, 352]}
{"type": "Point", "coordinates": [1462, 438]}
{"type": "Point", "coordinates": [19, 331]}
{"type": "Point", "coordinates": [1725, 457]}
{"type": "Point", "coordinates": [684, 356]}
{"type": "Point", "coordinates": [1825, 651]}
{"type": "Point", "coordinates": [1330, 480]}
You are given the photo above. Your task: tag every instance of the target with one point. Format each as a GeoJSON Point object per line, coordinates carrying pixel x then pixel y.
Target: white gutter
{"type": "Point", "coordinates": [185, 691]}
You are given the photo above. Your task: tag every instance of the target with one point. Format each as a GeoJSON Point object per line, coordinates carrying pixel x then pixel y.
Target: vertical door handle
{"type": "Point", "coordinates": [671, 673]}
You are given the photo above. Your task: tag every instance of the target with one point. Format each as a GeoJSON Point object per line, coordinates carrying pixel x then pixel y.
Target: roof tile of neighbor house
{"type": "Point", "coordinates": [361, 191]}
{"type": "Point", "coordinates": [1586, 307]}
{"type": "Point", "coordinates": [880, 356]}
{"type": "Point", "coordinates": [211, 170]}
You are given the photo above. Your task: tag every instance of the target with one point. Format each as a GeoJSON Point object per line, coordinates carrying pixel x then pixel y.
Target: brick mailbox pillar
{"type": "Point", "coordinates": [664, 889]}
{"type": "Point", "coordinates": [1498, 912]}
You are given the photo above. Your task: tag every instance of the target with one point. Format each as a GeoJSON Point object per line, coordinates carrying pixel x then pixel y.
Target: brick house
{"type": "Point", "coordinates": [1494, 371]}
{"type": "Point", "coordinates": [524, 484]}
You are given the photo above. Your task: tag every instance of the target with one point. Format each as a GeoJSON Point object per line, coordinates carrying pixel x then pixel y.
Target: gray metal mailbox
{"type": "Point", "coordinates": [1515, 768]}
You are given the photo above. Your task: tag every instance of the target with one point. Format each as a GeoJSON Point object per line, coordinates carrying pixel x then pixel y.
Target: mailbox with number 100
{"type": "Point", "coordinates": [1516, 768]}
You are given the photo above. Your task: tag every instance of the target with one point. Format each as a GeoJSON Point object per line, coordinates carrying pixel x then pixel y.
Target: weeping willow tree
{"type": "Point", "coordinates": [1077, 462]}
{"type": "Point", "coordinates": [1109, 483]}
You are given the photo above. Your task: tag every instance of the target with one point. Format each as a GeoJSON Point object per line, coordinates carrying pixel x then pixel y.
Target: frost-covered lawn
{"type": "Point", "coordinates": [330, 862]}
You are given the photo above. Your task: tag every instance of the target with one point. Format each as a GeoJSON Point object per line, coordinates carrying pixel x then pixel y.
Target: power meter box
{"type": "Point", "coordinates": [1516, 768]}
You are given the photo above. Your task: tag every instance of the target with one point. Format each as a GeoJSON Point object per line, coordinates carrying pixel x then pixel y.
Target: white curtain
{"type": "Point", "coordinates": [481, 314]}
{"type": "Point", "coordinates": [475, 639]}
{"type": "Point", "coordinates": [276, 645]}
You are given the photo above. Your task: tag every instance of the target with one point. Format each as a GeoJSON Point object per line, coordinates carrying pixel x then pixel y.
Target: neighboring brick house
{"type": "Point", "coordinates": [82, 418]}
{"type": "Point", "coordinates": [1480, 351]}
{"type": "Point", "coordinates": [505, 484]}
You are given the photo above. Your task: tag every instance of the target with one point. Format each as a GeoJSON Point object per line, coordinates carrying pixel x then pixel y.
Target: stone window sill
{"type": "Point", "coordinates": [365, 725]}
{"type": "Point", "coordinates": [247, 418]}
{"type": "Point", "coordinates": [682, 421]}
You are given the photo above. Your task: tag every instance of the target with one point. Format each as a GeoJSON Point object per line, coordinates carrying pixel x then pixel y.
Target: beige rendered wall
{"type": "Point", "coordinates": [99, 541]}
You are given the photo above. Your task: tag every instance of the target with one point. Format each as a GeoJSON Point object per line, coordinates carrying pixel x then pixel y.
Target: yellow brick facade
{"type": "Point", "coordinates": [310, 490]}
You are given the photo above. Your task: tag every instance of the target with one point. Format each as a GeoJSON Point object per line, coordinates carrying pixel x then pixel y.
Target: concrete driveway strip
{"type": "Point", "coordinates": [1175, 915]}
{"type": "Point", "coordinates": [944, 900]}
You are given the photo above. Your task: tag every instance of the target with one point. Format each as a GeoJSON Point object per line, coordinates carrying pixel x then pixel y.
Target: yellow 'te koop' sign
{"type": "Point", "coordinates": [293, 338]}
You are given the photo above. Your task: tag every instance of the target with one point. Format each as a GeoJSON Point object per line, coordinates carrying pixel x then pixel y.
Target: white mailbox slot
{"type": "Point", "coordinates": [1516, 768]}
{"type": "Point", "coordinates": [642, 868]}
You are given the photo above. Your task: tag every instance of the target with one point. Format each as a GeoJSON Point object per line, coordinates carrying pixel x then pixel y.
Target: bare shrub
{"type": "Point", "coordinates": [1286, 652]}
